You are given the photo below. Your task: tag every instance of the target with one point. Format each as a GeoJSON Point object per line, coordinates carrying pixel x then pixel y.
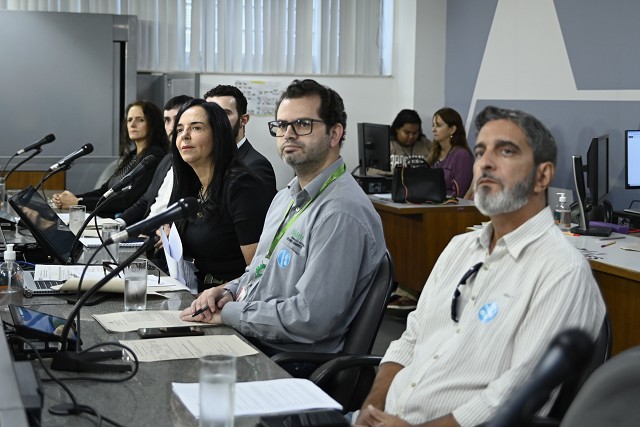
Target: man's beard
{"type": "Point", "coordinates": [506, 200]}
{"type": "Point", "coordinates": [236, 129]}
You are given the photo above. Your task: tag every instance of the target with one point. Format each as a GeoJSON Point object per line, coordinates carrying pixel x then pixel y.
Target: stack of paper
{"type": "Point", "coordinates": [264, 397]}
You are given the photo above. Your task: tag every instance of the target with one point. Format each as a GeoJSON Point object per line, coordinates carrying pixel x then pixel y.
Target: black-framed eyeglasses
{"type": "Point", "coordinates": [300, 126]}
{"type": "Point", "coordinates": [456, 294]}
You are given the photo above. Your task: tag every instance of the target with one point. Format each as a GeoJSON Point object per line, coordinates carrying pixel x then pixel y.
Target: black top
{"type": "Point", "coordinates": [214, 243]}
{"type": "Point", "coordinates": [260, 166]}
{"type": "Point", "coordinates": [121, 201]}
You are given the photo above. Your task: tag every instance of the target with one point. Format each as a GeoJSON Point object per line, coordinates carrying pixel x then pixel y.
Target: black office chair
{"type": "Point", "coordinates": [326, 373]}
{"type": "Point", "coordinates": [610, 396]}
{"type": "Point", "coordinates": [359, 340]}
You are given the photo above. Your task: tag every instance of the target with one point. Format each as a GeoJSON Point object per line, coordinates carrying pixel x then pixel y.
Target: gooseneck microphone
{"type": "Point", "coordinates": [147, 164]}
{"type": "Point", "coordinates": [66, 161]}
{"type": "Point", "coordinates": [183, 208]}
{"type": "Point", "coordinates": [36, 145]}
{"type": "Point", "coordinates": [567, 353]}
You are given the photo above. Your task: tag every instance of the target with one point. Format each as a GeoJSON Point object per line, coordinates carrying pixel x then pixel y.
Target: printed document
{"type": "Point", "coordinates": [177, 348]}
{"type": "Point", "coordinates": [128, 321]}
{"type": "Point", "coordinates": [264, 397]}
{"type": "Point", "coordinates": [71, 274]}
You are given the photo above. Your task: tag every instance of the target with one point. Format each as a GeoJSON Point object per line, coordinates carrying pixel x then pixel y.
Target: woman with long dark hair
{"type": "Point", "coordinates": [223, 236]}
{"type": "Point", "coordinates": [142, 135]}
{"type": "Point", "coordinates": [450, 151]}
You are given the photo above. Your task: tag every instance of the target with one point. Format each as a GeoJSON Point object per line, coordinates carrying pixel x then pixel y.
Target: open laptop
{"type": "Point", "coordinates": [33, 287]}
{"type": "Point", "coordinates": [51, 233]}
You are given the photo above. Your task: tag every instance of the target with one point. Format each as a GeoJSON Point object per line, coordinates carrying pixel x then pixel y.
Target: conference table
{"type": "Point", "coordinates": [147, 398]}
{"type": "Point", "coordinates": [416, 234]}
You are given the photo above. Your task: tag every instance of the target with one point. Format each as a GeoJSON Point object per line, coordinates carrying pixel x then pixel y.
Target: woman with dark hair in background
{"type": "Point", "coordinates": [450, 151]}
{"type": "Point", "coordinates": [223, 236]}
{"type": "Point", "coordinates": [407, 138]}
{"type": "Point", "coordinates": [142, 135]}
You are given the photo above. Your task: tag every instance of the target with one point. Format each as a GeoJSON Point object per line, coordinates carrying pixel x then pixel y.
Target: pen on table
{"type": "Point", "coordinates": [608, 244]}
{"type": "Point", "coordinates": [206, 307]}
{"type": "Point", "coordinates": [612, 238]}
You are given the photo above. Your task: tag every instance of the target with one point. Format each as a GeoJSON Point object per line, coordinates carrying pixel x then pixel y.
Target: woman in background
{"type": "Point", "coordinates": [142, 135]}
{"type": "Point", "coordinates": [407, 138]}
{"type": "Point", "coordinates": [450, 151]}
{"type": "Point", "coordinates": [222, 238]}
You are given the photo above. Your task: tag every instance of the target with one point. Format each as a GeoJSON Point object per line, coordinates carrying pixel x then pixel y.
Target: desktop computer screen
{"type": "Point", "coordinates": [632, 159]}
{"type": "Point", "coordinates": [373, 147]}
{"type": "Point", "coordinates": [598, 169]}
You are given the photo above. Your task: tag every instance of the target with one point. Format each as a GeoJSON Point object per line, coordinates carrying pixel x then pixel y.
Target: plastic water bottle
{"type": "Point", "coordinates": [11, 279]}
{"type": "Point", "coordinates": [562, 214]}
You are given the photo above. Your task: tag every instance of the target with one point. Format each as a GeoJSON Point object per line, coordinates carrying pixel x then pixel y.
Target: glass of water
{"type": "Point", "coordinates": [113, 253]}
{"type": "Point", "coordinates": [135, 285]}
{"type": "Point", "coordinates": [76, 217]}
{"type": "Point", "coordinates": [3, 193]}
{"type": "Point", "coordinates": [217, 390]}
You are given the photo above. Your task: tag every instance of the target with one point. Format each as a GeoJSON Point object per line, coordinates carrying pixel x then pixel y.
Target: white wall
{"type": "Point", "coordinates": [415, 82]}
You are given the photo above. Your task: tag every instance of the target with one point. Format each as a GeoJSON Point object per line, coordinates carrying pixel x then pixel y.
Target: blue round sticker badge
{"type": "Point", "coordinates": [488, 312]}
{"type": "Point", "coordinates": [284, 258]}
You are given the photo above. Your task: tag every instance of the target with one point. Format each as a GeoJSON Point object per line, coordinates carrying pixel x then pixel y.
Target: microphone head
{"type": "Point", "coordinates": [149, 162]}
{"type": "Point", "coordinates": [49, 138]}
{"type": "Point", "coordinates": [576, 345]}
{"type": "Point", "coordinates": [87, 148]}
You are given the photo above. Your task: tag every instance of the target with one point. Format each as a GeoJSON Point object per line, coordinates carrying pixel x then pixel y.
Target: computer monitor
{"type": "Point", "coordinates": [632, 159]}
{"type": "Point", "coordinates": [373, 147]}
{"type": "Point", "coordinates": [598, 169]}
{"type": "Point", "coordinates": [578, 179]}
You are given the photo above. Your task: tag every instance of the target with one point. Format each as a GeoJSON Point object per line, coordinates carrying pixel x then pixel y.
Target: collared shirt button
{"type": "Point", "coordinates": [436, 356]}
{"type": "Point", "coordinates": [298, 209]}
{"type": "Point", "coordinates": [485, 267]}
{"type": "Point", "coordinates": [413, 385]}
{"type": "Point", "coordinates": [473, 298]}
{"type": "Point", "coordinates": [458, 331]}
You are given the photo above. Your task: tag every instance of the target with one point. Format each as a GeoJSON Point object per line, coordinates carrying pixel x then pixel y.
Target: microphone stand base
{"type": "Point", "coordinates": [88, 361]}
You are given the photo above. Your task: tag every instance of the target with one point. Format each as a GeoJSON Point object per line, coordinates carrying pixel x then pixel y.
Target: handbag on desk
{"type": "Point", "coordinates": [416, 182]}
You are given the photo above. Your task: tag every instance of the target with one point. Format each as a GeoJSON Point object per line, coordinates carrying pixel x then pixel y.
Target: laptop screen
{"type": "Point", "coordinates": [45, 225]}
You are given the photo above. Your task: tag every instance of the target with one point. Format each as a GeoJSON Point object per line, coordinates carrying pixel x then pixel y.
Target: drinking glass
{"type": "Point", "coordinates": [109, 230]}
{"type": "Point", "coordinates": [217, 390]}
{"type": "Point", "coordinates": [135, 285]}
{"type": "Point", "coordinates": [3, 193]}
{"type": "Point", "coordinates": [76, 217]}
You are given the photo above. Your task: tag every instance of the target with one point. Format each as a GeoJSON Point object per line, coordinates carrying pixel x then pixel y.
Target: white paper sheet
{"type": "Point", "coordinates": [264, 397]}
{"type": "Point", "coordinates": [181, 270]}
{"type": "Point", "coordinates": [177, 348]}
{"type": "Point", "coordinates": [71, 275]}
{"type": "Point", "coordinates": [127, 321]}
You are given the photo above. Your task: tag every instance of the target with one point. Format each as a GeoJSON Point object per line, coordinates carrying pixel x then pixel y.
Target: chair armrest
{"type": "Point", "coordinates": [544, 422]}
{"type": "Point", "coordinates": [290, 356]}
{"type": "Point", "coordinates": [326, 371]}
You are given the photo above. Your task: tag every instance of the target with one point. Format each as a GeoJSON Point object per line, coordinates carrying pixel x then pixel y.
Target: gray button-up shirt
{"type": "Point", "coordinates": [317, 277]}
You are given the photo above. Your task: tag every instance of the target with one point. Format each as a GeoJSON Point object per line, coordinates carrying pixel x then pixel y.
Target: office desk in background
{"type": "Point", "coordinates": [618, 275]}
{"type": "Point", "coordinates": [147, 398]}
{"type": "Point", "coordinates": [416, 235]}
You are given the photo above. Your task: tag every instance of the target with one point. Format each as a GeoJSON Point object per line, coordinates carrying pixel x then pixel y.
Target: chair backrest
{"type": "Point", "coordinates": [570, 388]}
{"type": "Point", "coordinates": [610, 396]}
{"type": "Point", "coordinates": [350, 386]}
{"type": "Point", "coordinates": [364, 327]}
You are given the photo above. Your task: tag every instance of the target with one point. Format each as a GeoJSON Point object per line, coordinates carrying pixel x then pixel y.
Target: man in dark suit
{"type": "Point", "coordinates": [234, 103]}
{"type": "Point", "coordinates": [157, 196]}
